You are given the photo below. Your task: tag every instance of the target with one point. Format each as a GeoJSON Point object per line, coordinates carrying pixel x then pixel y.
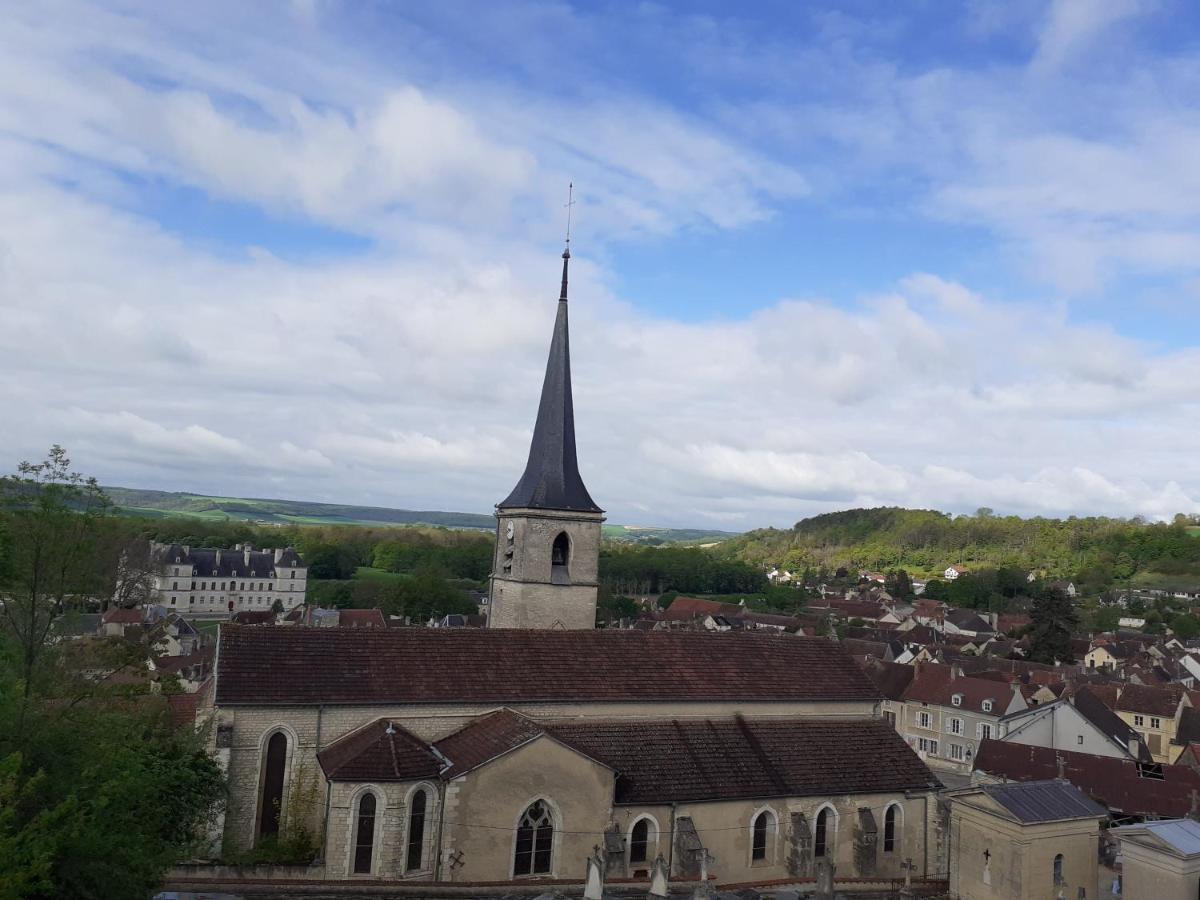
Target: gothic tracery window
{"type": "Point", "coordinates": [535, 841]}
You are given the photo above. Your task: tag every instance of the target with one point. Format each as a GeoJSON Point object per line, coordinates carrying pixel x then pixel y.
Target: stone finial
{"type": "Point", "coordinates": [659, 886]}
{"type": "Point", "coordinates": [593, 886]}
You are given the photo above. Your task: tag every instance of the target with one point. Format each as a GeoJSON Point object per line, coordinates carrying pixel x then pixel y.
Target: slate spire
{"type": "Point", "coordinates": [551, 479]}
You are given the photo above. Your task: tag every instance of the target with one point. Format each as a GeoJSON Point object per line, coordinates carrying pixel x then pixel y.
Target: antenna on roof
{"type": "Point", "coordinates": [391, 729]}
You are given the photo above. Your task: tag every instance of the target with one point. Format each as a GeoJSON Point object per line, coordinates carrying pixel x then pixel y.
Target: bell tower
{"type": "Point", "coordinates": [544, 574]}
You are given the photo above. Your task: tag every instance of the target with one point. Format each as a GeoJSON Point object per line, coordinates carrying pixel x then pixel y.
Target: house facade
{"type": "Point", "coordinates": [946, 715]}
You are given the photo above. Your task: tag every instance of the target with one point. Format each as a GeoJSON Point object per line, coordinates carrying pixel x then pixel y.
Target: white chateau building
{"type": "Point", "coordinates": [202, 581]}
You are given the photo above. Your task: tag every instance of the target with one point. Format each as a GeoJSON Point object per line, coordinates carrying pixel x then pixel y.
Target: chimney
{"type": "Point", "coordinates": [246, 555]}
{"type": "Point", "coordinates": [218, 559]}
{"type": "Point", "coordinates": [278, 554]}
{"type": "Point", "coordinates": [1061, 765]}
{"type": "Point", "coordinates": [1135, 748]}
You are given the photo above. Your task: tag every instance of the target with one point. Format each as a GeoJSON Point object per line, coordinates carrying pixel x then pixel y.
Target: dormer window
{"type": "Point", "coordinates": [987, 705]}
{"type": "Point", "coordinates": [956, 700]}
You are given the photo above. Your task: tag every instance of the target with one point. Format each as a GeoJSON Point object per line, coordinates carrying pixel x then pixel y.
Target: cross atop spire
{"type": "Point", "coordinates": [566, 256]}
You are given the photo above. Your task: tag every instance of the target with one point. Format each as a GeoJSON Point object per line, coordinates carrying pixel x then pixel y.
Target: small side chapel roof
{"type": "Point", "coordinates": [379, 751]}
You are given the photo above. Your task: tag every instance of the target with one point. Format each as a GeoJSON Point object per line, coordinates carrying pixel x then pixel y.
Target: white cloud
{"type": "Point", "coordinates": [408, 374]}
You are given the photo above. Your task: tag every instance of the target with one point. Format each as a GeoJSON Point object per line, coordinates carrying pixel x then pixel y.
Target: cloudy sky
{"type": "Point", "coordinates": [932, 254]}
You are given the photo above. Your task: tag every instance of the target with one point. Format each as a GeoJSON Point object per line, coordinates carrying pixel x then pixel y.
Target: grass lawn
{"type": "Point", "coordinates": [367, 573]}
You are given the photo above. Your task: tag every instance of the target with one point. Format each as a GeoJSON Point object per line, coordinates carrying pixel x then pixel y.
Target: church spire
{"type": "Point", "coordinates": [551, 479]}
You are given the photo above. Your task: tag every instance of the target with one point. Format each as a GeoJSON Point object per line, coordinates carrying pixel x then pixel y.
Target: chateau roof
{"type": "Point", "coordinates": [212, 562]}
{"type": "Point", "coordinates": [302, 666]}
{"type": "Point", "coordinates": [668, 761]}
{"type": "Point", "coordinates": [551, 479]}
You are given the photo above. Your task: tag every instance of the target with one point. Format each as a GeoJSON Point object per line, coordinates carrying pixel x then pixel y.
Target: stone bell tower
{"type": "Point", "coordinates": [548, 529]}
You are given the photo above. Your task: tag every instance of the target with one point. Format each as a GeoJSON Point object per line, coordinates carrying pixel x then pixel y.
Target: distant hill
{"type": "Point", "coordinates": [1098, 550]}
{"type": "Point", "coordinates": [160, 504]}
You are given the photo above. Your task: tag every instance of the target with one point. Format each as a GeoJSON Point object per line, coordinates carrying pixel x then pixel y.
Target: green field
{"type": "Point", "coordinates": [164, 504]}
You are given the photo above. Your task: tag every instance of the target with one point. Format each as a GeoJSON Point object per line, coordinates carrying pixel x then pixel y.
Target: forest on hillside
{"type": "Point", "coordinates": [1095, 552]}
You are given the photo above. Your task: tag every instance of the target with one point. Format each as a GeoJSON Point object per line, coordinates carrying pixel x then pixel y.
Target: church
{"type": "Point", "coordinates": [516, 753]}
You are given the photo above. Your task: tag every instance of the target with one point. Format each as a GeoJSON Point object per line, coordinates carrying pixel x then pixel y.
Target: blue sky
{"type": "Point", "coordinates": [936, 254]}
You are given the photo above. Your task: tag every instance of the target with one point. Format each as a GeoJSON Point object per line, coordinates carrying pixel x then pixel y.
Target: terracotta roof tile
{"type": "Point", "coordinates": [379, 751]}
{"type": "Point", "coordinates": [929, 688]}
{"type": "Point", "coordinates": [1124, 786]}
{"type": "Point", "coordinates": [660, 762]}
{"type": "Point", "coordinates": [361, 618]}
{"type": "Point", "coordinates": [1151, 700]}
{"type": "Point", "coordinates": [298, 666]}
{"type": "Point", "coordinates": [486, 738]}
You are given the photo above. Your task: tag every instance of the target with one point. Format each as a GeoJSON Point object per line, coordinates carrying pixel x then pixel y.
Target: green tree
{"type": "Point", "coordinates": [1053, 620]}
{"type": "Point", "coordinates": [1186, 626]}
{"type": "Point", "coordinates": [51, 539]}
{"type": "Point", "coordinates": [99, 793]}
{"type": "Point", "coordinates": [1106, 618]}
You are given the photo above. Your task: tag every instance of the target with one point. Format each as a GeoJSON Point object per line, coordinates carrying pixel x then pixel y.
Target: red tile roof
{"type": "Point", "coordinates": [662, 762]}
{"type": "Point", "coordinates": [254, 617]}
{"type": "Point", "coordinates": [183, 709]}
{"type": "Point", "coordinates": [486, 738]}
{"type": "Point", "coordinates": [1122, 785]}
{"type": "Point", "coordinates": [379, 751]}
{"type": "Point", "coordinates": [935, 688]}
{"type": "Point", "coordinates": [691, 607]}
{"type": "Point", "coordinates": [120, 616]}
{"type": "Point", "coordinates": [1150, 700]}
{"type": "Point", "coordinates": [892, 679]}
{"type": "Point", "coordinates": [361, 618]}
{"type": "Point", "coordinates": [263, 666]}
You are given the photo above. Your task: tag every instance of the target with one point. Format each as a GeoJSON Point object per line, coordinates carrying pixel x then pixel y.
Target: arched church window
{"type": "Point", "coordinates": [889, 828]}
{"type": "Point", "coordinates": [560, 559]}
{"type": "Point", "coordinates": [416, 831]}
{"type": "Point", "coordinates": [761, 836]}
{"type": "Point", "coordinates": [535, 841]}
{"type": "Point", "coordinates": [1058, 869]}
{"type": "Point", "coordinates": [364, 834]}
{"type": "Point", "coordinates": [639, 841]}
{"type": "Point", "coordinates": [821, 835]}
{"type": "Point", "coordinates": [272, 791]}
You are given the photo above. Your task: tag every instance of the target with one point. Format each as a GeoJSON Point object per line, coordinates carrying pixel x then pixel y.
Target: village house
{"type": "Point", "coordinates": [1152, 712]}
{"type": "Point", "coordinates": [1082, 724]}
{"type": "Point", "coordinates": [946, 715]}
{"type": "Point", "coordinates": [952, 572]}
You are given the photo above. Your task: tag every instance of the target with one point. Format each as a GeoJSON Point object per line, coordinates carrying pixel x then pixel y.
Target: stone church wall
{"type": "Point", "coordinates": [309, 729]}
